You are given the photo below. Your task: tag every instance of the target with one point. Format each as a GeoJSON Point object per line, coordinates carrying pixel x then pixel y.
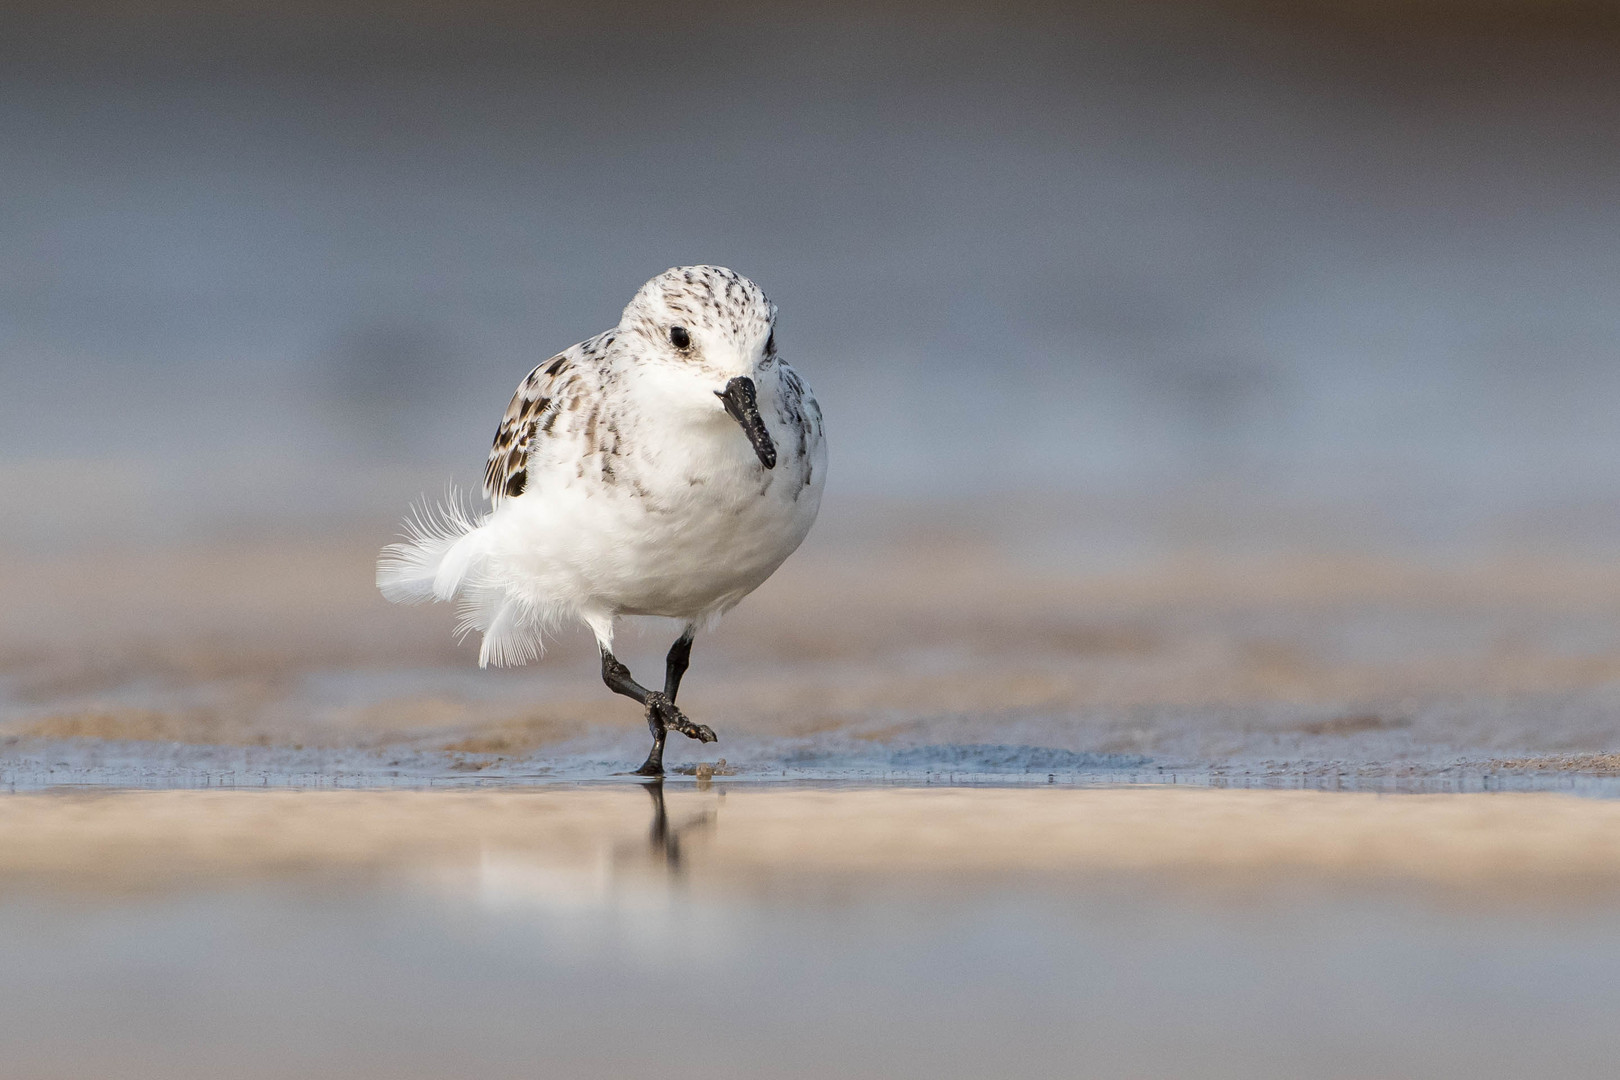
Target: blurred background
{"type": "Point", "coordinates": [283, 261]}
{"type": "Point", "coordinates": [1084, 289]}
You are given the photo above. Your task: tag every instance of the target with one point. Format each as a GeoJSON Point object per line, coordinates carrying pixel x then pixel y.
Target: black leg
{"type": "Point", "coordinates": [654, 765]}
{"type": "Point", "coordinates": [680, 654]}
{"type": "Point", "coordinates": [619, 680]}
{"type": "Point", "coordinates": [662, 715]}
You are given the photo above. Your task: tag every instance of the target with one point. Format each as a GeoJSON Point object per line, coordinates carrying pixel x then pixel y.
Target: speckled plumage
{"type": "Point", "coordinates": [619, 484]}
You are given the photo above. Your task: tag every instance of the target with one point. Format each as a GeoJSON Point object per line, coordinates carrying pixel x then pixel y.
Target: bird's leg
{"type": "Point", "coordinates": [618, 679]}
{"type": "Point", "coordinates": [680, 654]}
{"type": "Point", "coordinates": [662, 715]}
{"type": "Point", "coordinates": [654, 765]}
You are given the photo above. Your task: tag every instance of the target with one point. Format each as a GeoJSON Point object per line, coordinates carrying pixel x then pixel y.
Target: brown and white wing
{"type": "Point", "coordinates": [549, 390]}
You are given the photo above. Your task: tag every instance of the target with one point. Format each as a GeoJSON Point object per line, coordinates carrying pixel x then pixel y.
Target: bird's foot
{"type": "Point", "coordinates": [662, 712]}
{"type": "Point", "coordinates": [700, 732]}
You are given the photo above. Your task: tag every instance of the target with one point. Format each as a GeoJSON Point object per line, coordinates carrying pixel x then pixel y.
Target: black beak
{"type": "Point", "coordinates": [738, 398]}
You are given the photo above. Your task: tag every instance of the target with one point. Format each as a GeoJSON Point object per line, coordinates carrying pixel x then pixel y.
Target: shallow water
{"type": "Point", "coordinates": [500, 979]}
{"type": "Point", "coordinates": [579, 933]}
{"type": "Point", "coordinates": [45, 765]}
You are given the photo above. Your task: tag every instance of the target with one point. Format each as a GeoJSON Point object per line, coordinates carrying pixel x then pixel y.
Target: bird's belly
{"type": "Point", "coordinates": [707, 554]}
{"type": "Point", "coordinates": [687, 541]}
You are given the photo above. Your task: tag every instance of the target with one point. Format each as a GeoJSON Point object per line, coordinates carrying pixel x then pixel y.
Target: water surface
{"type": "Point", "coordinates": [584, 932]}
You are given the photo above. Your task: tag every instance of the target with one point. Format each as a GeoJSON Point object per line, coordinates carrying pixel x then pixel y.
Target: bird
{"type": "Point", "coordinates": [665, 467]}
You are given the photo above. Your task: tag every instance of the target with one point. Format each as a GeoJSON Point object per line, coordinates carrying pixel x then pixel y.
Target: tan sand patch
{"type": "Point", "coordinates": [518, 735]}
{"type": "Point", "coordinates": [1575, 763]}
{"type": "Point", "coordinates": [1533, 846]}
{"type": "Point", "coordinates": [202, 726]}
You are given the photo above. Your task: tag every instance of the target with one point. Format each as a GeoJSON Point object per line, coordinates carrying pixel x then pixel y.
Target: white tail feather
{"type": "Point", "coordinates": [443, 553]}
{"type": "Point", "coordinates": [441, 547]}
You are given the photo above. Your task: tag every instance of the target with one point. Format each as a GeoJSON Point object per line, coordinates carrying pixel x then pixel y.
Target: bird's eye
{"type": "Point", "coordinates": [770, 343]}
{"type": "Point", "coordinates": [679, 338]}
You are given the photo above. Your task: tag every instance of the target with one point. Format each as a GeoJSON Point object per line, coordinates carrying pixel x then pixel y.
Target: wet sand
{"type": "Point", "coordinates": [907, 644]}
{"type": "Point", "coordinates": [742, 838]}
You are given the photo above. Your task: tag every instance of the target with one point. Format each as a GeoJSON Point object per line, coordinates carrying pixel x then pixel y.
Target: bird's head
{"type": "Point", "coordinates": [703, 335]}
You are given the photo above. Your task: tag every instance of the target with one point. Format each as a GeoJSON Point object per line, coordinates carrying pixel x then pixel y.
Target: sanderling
{"type": "Point", "coordinates": [665, 467]}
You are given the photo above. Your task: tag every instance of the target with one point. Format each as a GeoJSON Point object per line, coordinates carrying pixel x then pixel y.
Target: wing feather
{"type": "Point", "coordinates": [547, 391]}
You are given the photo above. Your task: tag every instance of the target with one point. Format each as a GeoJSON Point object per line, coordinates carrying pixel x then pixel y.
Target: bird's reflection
{"type": "Point", "coordinates": [664, 838]}
{"type": "Point", "coordinates": [598, 863]}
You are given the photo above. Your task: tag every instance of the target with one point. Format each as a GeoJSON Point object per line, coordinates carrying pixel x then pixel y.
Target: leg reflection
{"type": "Point", "coordinates": [663, 839]}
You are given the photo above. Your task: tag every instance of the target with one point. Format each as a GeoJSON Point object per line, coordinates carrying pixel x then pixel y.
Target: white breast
{"type": "Point", "coordinates": [685, 523]}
